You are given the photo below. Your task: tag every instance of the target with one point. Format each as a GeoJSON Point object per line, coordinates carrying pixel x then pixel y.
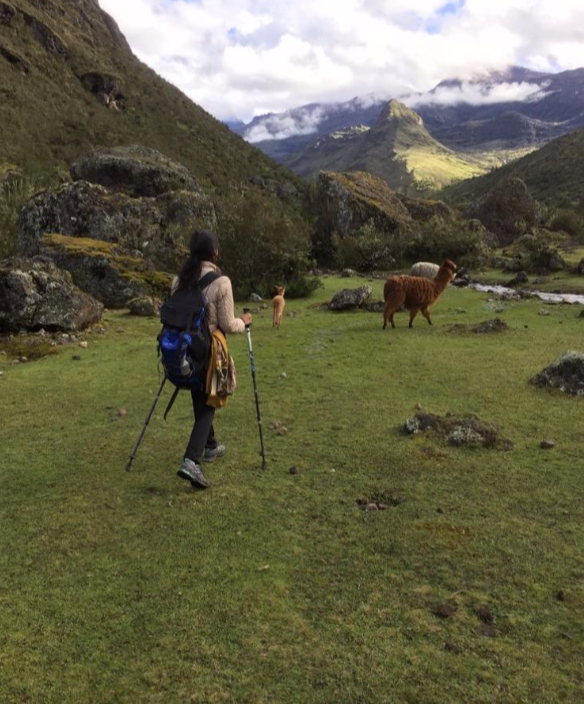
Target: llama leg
{"type": "Point", "coordinates": [391, 319]}
{"type": "Point", "coordinates": [426, 314]}
{"type": "Point", "coordinates": [413, 314]}
{"type": "Point", "coordinates": [386, 315]}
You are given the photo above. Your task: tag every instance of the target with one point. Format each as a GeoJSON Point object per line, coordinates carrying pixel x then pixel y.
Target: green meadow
{"type": "Point", "coordinates": [273, 588]}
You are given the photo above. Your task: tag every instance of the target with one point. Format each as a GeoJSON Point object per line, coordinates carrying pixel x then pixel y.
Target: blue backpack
{"type": "Point", "coordinates": [184, 343]}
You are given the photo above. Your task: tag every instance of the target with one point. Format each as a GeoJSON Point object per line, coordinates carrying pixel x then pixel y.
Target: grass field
{"type": "Point", "coordinates": [277, 589]}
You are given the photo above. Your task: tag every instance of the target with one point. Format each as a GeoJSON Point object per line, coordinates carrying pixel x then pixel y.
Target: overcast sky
{"type": "Point", "coordinates": [240, 58]}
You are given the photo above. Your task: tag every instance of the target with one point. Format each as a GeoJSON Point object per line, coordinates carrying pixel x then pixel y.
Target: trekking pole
{"type": "Point", "coordinates": [146, 422]}
{"type": "Point", "coordinates": [255, 390]}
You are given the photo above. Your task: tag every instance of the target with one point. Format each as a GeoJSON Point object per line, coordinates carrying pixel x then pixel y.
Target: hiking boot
{"type": "Point", "coordinates": [192, 471]}
{"type": "Point", "coordinates": [213, 453]}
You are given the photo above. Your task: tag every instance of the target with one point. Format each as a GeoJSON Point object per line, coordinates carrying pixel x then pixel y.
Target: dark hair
{"type": "Point", "coordinates": [203, 246]}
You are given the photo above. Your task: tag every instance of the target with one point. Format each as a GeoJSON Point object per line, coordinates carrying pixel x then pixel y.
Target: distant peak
{"type": "Point", "coordinates": [396, 110]}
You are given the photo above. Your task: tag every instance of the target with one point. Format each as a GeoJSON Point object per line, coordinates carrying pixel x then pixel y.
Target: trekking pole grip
{"type": "Point", "coordinates": [248, 325]}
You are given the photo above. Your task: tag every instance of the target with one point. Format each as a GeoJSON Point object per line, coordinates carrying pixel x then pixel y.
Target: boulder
{"type": "Point", "coordinates": [345, 202]}
{"type": "Point", "coordinates": [143, 307]}
{"type": "Point", "coordinates": [137, 171]}
{"type": "Point", "coordinates": [105, 270]}
{"type": "Point", "coordinates": [153, 226]}
{"type": "Point", "coordinates": [350, 298]}
{"type": "Point", "coordinates": [508, 210]}
{"type": "Point", "coordinates": [348, 273]}
{"type": "Point", "coordinates": [566, 373]}
{"type": "Point", "coordinates": [35, 294]}
{"type": "Point", "coordinates": [424, 210]}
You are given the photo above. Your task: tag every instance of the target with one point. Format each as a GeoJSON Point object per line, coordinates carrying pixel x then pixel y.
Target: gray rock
{"type": "Point", "coordinates": [544, 311]}
{"type": "Point", "coordinates": [348, 299]}
{"type": "Point", "coordinates": [103, 270]}
{"type": "Point", "coordinates": [374, 307]}
{"type": "Point", "coordinates": [138, 171]}
{"type": "Point", "coordinates": [255, 298]}
{"type": "Point", "coordinates": [35, 294]}
{"type": "Point", "coordinates": [547, 444]}
{"type": "Point", "coordinates": [348, 273]}
{"type": "Point", "coordinates": [143, 307]}
{"type": "Point", "coordinates": [566, 374]}
{"type": "Point", "coordinates": [153, 226]}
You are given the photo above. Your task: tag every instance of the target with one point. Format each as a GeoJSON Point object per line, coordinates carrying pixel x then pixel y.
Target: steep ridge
{"type": "Point", "coordinates": [69, 82]}
{"type": "Point", "coordinates": [398, 149]}
{"type": "Point", "coordinates": [554, 173]}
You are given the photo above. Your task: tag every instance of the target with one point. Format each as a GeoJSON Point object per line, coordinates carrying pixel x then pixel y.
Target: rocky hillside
{"type": "Point", "coordinates": [553, 174]}
{"type": "Point", "coordinates": [69, 82]}
{"type": "Point", "coordinates": [398, 149]}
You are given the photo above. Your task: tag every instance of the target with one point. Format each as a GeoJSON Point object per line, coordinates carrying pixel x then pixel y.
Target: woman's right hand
{"type": "Point", "coordinates": [247, 318]}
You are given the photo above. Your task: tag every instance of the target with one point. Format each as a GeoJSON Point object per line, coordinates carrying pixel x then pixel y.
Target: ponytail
{"type": "Point", "coordinates": [203, 247]}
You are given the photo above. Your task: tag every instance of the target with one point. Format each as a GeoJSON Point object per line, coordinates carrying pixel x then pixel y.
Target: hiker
{"type": "Point", "coordinates": [201, 267]}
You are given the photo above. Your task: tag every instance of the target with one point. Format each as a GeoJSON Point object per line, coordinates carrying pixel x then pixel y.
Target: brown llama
{"type": "Point", "coordinates": [415, 293]}
{"type": "Point", "coordinates": [278, 303]}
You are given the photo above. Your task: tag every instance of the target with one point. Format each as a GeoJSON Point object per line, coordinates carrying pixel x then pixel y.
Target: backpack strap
{"type": "Point", "coordinates": [208, 279]}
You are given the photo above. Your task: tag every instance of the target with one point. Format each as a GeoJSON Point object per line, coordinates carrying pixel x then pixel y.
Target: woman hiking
{"type": "Point", "coordinates": [201, 267]}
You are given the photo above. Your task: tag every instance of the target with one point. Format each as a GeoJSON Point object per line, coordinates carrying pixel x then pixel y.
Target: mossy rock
{"type": "Point", "coordinates": [345, 202]}
{"type": "Point", "coordinates": [35, 294]}
{"type": "Point", "coordinates": [135, 170]}
{"type": "Point", "coordinates": [105, 270]}
{"type": "Point", "coordinates": [154, 227]}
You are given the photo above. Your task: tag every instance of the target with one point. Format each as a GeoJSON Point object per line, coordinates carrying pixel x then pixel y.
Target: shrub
{"type": "Point", "coordinates": [263, 244]}
{"type": "Point", "coordinates": [464, 241]}
{"type": "Point", "coordinates": [540, 250]}
{"type": "Point", "coordinates": [568, 221]}
{"type": "Point", "coordinates": [14, 193]}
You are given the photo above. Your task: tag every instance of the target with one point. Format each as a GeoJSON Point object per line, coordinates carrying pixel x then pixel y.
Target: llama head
{"type": "Point", "coordinates": [280, 290]}
{"type": "Point", "coordinates": [450, 267]}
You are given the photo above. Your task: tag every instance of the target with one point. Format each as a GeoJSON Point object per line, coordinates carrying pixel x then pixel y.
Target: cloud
{"type": "Point", "coordinates": [301, 122]}
{"type": "Point", "coordinates": [479, 94]}
{"type": "Point", "coordinates": [240, 58]}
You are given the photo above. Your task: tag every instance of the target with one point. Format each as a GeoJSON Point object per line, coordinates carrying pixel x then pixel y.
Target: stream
{"type": "Point", "coordinates": [542, 295]}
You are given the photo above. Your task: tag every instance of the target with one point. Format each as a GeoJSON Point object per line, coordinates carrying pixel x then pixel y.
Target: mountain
{"type": "Point", "coordinates": [398, 149]}
{"type": "Point", "coordinates": [496, 114]}
{"type": "Point", "coordinates": [69, 82]}
{"type": "Point", "coordinates": [282, 135]}
{"type": "Point", "coordinates": [555, 107]}
{"type": "Point", "coordinates": [553, 174]}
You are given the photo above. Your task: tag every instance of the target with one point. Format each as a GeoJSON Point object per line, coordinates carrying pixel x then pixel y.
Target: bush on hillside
{"type": "Point", "coordinates": [263, 245]}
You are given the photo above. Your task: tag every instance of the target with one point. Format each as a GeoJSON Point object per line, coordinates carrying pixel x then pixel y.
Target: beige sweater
{"type": "Point", "coordinates": [220, 306]}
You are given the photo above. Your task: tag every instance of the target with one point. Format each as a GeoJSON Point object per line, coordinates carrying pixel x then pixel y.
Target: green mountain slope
{"type": "Point", "coordinates": [69, 82]}
{"type": "Point", "coordinates": [398, 149]}
{"type": "Point", "coordinates": [554, 173]}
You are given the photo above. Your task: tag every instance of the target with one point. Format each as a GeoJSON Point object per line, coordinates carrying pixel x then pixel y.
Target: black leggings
{"type": "Point", "coordinates": [203, 434]}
